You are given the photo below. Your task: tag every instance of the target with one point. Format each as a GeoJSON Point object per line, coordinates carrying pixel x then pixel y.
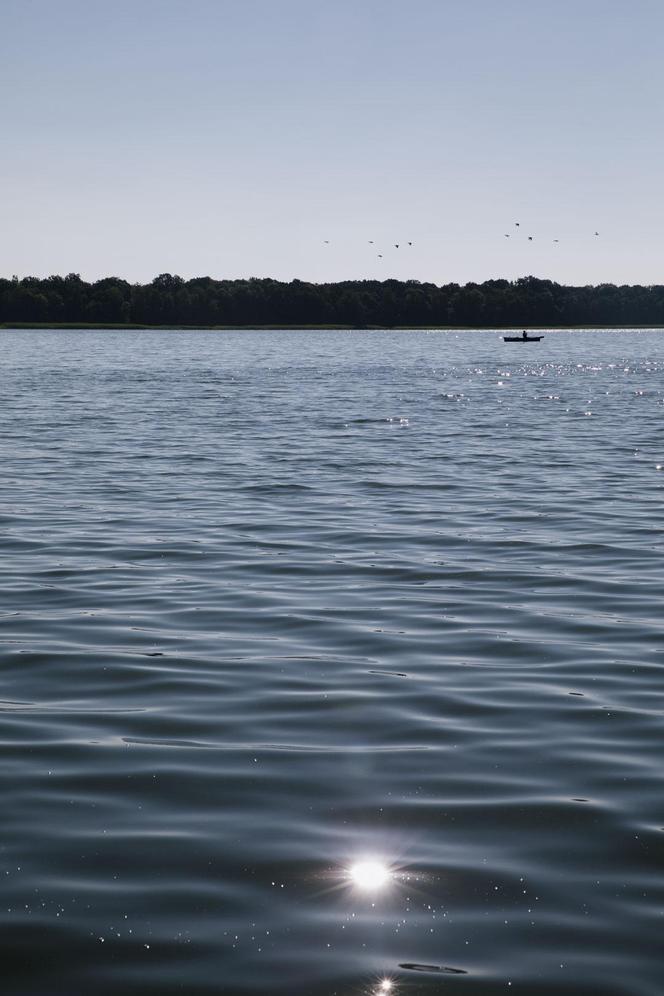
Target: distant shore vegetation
{"type": "Point", "coordinates": [169, 300]}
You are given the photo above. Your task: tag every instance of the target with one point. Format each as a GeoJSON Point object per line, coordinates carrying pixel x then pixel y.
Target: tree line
{"type": "Point", "coordinates": [171, 300]}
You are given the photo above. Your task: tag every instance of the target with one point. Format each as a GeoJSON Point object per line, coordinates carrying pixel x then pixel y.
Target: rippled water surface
{"type": "Point", "coordinates": [275, 603]}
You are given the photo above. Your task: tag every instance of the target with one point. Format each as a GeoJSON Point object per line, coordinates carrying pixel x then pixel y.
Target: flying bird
{"type": "Point", "coordinates": [370, 242]}
{"type": "Point", "coordinates": [507, 236]}
{"type": "Point", "coordinates": [530, 238]}
{"type": "Point", "coordinates": [410, 243]}
{"type": "Point", "coordinates": [517, 224]}
{"type": "Point", "coordinates": [380, 256]}
{"type": "Point", "coordinates": [326, 241]}
{"type": "Point", "coordinates": [596, 233]}
{"type": "Point", "coordinates": [396, 245]}
{"type": "Point", "coordinates": [556, 240]}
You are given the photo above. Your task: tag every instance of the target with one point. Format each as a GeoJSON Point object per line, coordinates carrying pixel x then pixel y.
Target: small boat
{"type": "Point", "coordinates": [522, 338]}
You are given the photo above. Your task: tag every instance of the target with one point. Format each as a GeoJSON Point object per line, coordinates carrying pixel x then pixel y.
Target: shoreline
{"type": "Point", "coordinates": [282, 327]}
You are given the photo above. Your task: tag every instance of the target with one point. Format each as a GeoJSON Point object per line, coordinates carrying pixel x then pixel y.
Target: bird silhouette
{"type": "Point", "coordinates": [507, 236]}
{"type": "Point", "coordinates": [517, 224]}
{"type": "Point", "coordinates": [326, 241]}
{"type": "Point", "coordinates": [596, 233]}
{"type": "Point", "coordinates": [530, 238]}
{"type": "Point", "coordinates": [380, 256]}
{"type": "Point", "coordinates": [410, 243]}
{"type": "Point", "coordinates": [370, 242]}
{"type": "Point", "coordinates": [396, 245]}
{"type": "Point", "coordinates": [556, 240]}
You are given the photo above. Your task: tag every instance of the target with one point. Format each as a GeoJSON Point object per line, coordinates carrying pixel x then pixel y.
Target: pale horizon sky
{"type": "Point", "coordinates": [231, 138]}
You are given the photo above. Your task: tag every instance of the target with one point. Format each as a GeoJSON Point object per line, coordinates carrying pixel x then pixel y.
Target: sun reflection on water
{"type": "Point", "coordinates": [370, 875]}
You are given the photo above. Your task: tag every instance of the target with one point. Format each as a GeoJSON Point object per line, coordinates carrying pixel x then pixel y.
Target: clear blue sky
{"type": "Point", "coordinates": [231, 137]}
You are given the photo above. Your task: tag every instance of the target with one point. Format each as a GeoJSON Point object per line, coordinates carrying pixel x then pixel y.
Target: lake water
{"type": "Point", "coordinates": [276, 603]}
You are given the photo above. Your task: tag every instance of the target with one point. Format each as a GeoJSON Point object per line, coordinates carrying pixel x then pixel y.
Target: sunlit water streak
{"type": "Point", "coordinates": [332, 663]}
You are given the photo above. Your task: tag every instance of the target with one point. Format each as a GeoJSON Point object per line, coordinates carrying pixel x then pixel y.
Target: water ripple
{"type": "Point", "coordinates": [275, 605]}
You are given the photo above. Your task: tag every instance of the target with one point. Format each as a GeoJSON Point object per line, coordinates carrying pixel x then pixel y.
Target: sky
{"type": "Point", "coordinates": [239, 138]}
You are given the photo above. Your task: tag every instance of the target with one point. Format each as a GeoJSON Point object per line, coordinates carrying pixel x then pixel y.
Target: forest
{"type": "Point", "coordinates": [203, 301]}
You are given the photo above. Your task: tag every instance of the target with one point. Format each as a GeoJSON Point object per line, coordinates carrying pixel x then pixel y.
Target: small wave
{"type": "Point", "coordinates": [303, 748]}
{"type": "Point", "coordinates": [394, 674]}
{"type": "Point", "coordinates": [412, 966]}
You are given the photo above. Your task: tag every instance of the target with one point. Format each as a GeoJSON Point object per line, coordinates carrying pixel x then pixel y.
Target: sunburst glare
{"type": "Point", "coordinates": [370, 875]}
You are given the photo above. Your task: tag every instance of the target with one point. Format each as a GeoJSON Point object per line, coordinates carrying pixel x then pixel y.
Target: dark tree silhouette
{"type": "Point", "coordinates": [170, 300]}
